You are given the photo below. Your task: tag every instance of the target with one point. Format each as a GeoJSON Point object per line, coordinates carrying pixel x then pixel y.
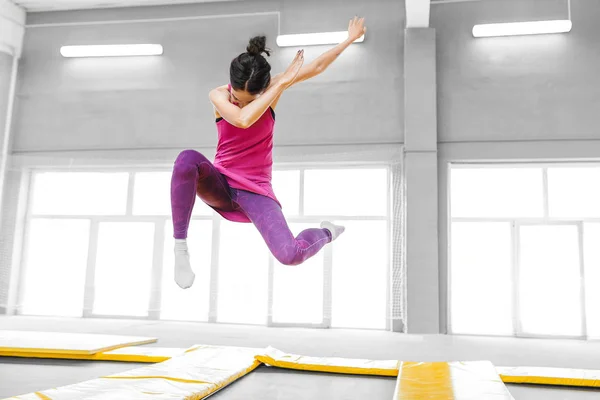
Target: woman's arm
{"type": "Point", "coordinates": [248, 115]}
{"type": "Point", "coordinates": [243, 117]}
{"type": "Point", "coordinates": [356, 29]}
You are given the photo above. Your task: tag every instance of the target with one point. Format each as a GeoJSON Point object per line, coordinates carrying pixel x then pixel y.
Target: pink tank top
{"type": "Point", "coordinates": [245, 158]}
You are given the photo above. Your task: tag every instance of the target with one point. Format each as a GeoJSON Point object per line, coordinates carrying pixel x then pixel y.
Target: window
{"type": "Point", "coordinates": [481, 278]}
{"type": "Point", "coordinates": [298, 291]}
{"type": "Point", "coordinates": [54, 264]}
{"type": "Point", "coordinates": [549, 279]}
{"type": "Point", "coordinates": [79, 193]}
{"type": "Point", "coordinates": [523, 254]}
{"type": "Point", "coordinates": [96, 255]}
{"type": "Point", "coordinates": [243, 275]}
{"type": "Point", "coordinates": [123, 268]}
{"type": "Point", "coordinates": [359, 268]}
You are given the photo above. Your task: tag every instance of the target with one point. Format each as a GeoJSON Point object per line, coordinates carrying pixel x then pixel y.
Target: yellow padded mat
{"type": "Point", "coordinates": [21, 342]}
{"type": "Point", "coordinates": [529, 375]}
{"type": "Point", "coordinates": [474, 380]}
{"type": "Point", "coordinates": [202, 370]}
{"type": "Point", "coordinates": [137, 354]}
{"type": "Point", "coordinates": [550, 376]}
{"type": "Point", "coordinates": [192, 376]}
{"type": "Point", "coordinates": [276, 358]}
{"type": "Point", "coordinates": [435, 381]}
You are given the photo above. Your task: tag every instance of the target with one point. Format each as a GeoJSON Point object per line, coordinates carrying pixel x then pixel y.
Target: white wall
{"type": "Point", "coordinates": [12, 29]}
{"type": "Point", "coordinates": [517, 88]}
{"type": "Point", "coordinates": [74, 104]}
{"type": "Point", "coordinates": [514, 98]}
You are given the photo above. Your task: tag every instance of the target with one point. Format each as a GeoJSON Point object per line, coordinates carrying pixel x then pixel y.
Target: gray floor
{"type": "Point", "coordinates": [18, 376]}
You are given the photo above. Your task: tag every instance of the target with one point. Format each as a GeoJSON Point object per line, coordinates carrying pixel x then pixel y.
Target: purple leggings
{"type": "Point", "coordinates": [194, 174]}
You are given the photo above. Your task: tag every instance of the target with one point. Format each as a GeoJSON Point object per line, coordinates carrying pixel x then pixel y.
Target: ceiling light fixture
{"type": "Point", "coordinates": [522, 28]}
{"type": "Point", "coordinates": [117, 50]}
{"type": "Point", "coordinates": [525, 28]}
{"type": "Point", "coordinates": [314, 39]}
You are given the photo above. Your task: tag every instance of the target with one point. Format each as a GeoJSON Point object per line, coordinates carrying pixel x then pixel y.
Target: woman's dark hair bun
{"type": "Point", "coordinates": [257, 46]}
{"type": "Point", "coordinates": [250, 71]}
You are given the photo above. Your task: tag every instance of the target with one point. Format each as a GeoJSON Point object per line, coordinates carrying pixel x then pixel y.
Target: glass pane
{"type": "Point", "coordinates": [243, 275]}
{"type": "Point", "coordinates": [298, 290]}
{"type": "Point", "coordinates": [124, 268]}
{"type": "Point", "coordinates": [152, 195]}
{"type": "Point", "coordinates": [497, 192]}
{"type": "Point", "coordinates": [591, 238]}
{"type": "Point", "coordinates": [347, 192]}
{"type": "Point", "coordinates": [80, 193]}
{"type": "Point", "coordinates": [190, 304]}
{"type": "Point", "coordinates": [550, 280]}
{"type": "Point", "coordinates": [481, 278]}
{"type": "Point", "coordinates": [55, 267]}
{"type": "Point", "coordinates": [360, 275]}
{"type": "Point", "coordinates": [286, 185]}
{"type": "Point", "coordinates": [574, 192]}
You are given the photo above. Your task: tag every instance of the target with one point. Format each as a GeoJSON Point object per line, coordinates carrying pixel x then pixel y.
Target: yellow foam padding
{"type": "Point", "coordinates": [21, 342]}
{"type": "Point", "coordinates": [529, 375]}
{"type": "Point", "coordinates": [550, 376]}
{"type": "Point", "coordinates": [276, 358]}
{"type": "Point", "coordinates": [191, 376]}
{"type": "Point", "coordinates": [450, 381]}
{"type": "Point", "coordinates": [136, 354]}
{"type": "Point", "coordinates": [126, 354]}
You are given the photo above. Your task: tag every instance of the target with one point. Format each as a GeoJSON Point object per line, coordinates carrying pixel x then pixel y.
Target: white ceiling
{"type": "Point", "coordinates": [55, 5]}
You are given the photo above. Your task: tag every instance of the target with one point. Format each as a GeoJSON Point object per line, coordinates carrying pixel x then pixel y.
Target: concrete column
{"type": "Point", "coordinates": [420, 175]}
{"type": "Point", "coordinates": [12, 30]}
{"type": "Point", "coordinates": [6, 68]}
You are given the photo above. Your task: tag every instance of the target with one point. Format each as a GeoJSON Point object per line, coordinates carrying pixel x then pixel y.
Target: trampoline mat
{"type": "Point", "coordinates": [267, 383]}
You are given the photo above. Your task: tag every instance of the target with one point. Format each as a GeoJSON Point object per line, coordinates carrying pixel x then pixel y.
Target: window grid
{"type": "Point", "coordinates": [88, 303]}
{"type": "Point", "coordinates": [130, 188]}
{"type": "Point", "coordinates": [154, 306]}
{"type": "Point", "coordinates": [157, 271]}
{"type": "Point", "coordinates": [214, 270]}
{"type": "Point", "coordinates": [516, 223]}
{"type": "Point", "coordinates": [25, 244]}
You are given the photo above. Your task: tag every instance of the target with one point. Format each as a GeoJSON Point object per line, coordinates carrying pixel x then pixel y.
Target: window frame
{"type": "Point", "coordinates": [516, 233]}
{"type": "Point", "coordinates": [515, 224]}
{"type": "Point", "coordinates": [160, 221]}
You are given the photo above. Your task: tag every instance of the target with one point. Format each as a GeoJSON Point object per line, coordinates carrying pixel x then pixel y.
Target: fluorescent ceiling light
{"type": "Point", "coordinates": [522, 28]}
{"type": "Point", "coordinates": [312, 39]}
{"type": "Point", "coordinates": [118, 50]}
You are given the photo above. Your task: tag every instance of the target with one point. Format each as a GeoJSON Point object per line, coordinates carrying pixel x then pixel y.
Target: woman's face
{"type": "Point", "coordinates": [242, 98]}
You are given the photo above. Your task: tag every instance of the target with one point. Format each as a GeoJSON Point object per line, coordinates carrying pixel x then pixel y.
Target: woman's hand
{"type": "Point", "coordinates": [246, 116]}
{"type": "Point", "coordinates": [297, 72]}
{"type": "Point", "coordinates": [356, 28]}
{"type": "Point", "coordinates": [290, 74]}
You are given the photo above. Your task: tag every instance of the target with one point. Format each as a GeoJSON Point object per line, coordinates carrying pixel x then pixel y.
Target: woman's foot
{"type": "Point", "coordinates": [335, 230]}
{"type": "Point", "coordinates": [184, 275]}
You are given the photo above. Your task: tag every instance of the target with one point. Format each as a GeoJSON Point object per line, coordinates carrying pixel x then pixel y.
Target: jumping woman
{"type": "Point", "coordinates": [238, 184]}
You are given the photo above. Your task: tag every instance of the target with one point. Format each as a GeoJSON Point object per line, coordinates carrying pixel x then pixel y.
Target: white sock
{"type": "Point", "coordinates": [184, 275]}
{"type": "Point", "coordinates": [336, 230]}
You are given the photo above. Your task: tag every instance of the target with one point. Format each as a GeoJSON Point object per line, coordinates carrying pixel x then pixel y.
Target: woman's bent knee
{"type": "Point", "coordinates": [190, 157]}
